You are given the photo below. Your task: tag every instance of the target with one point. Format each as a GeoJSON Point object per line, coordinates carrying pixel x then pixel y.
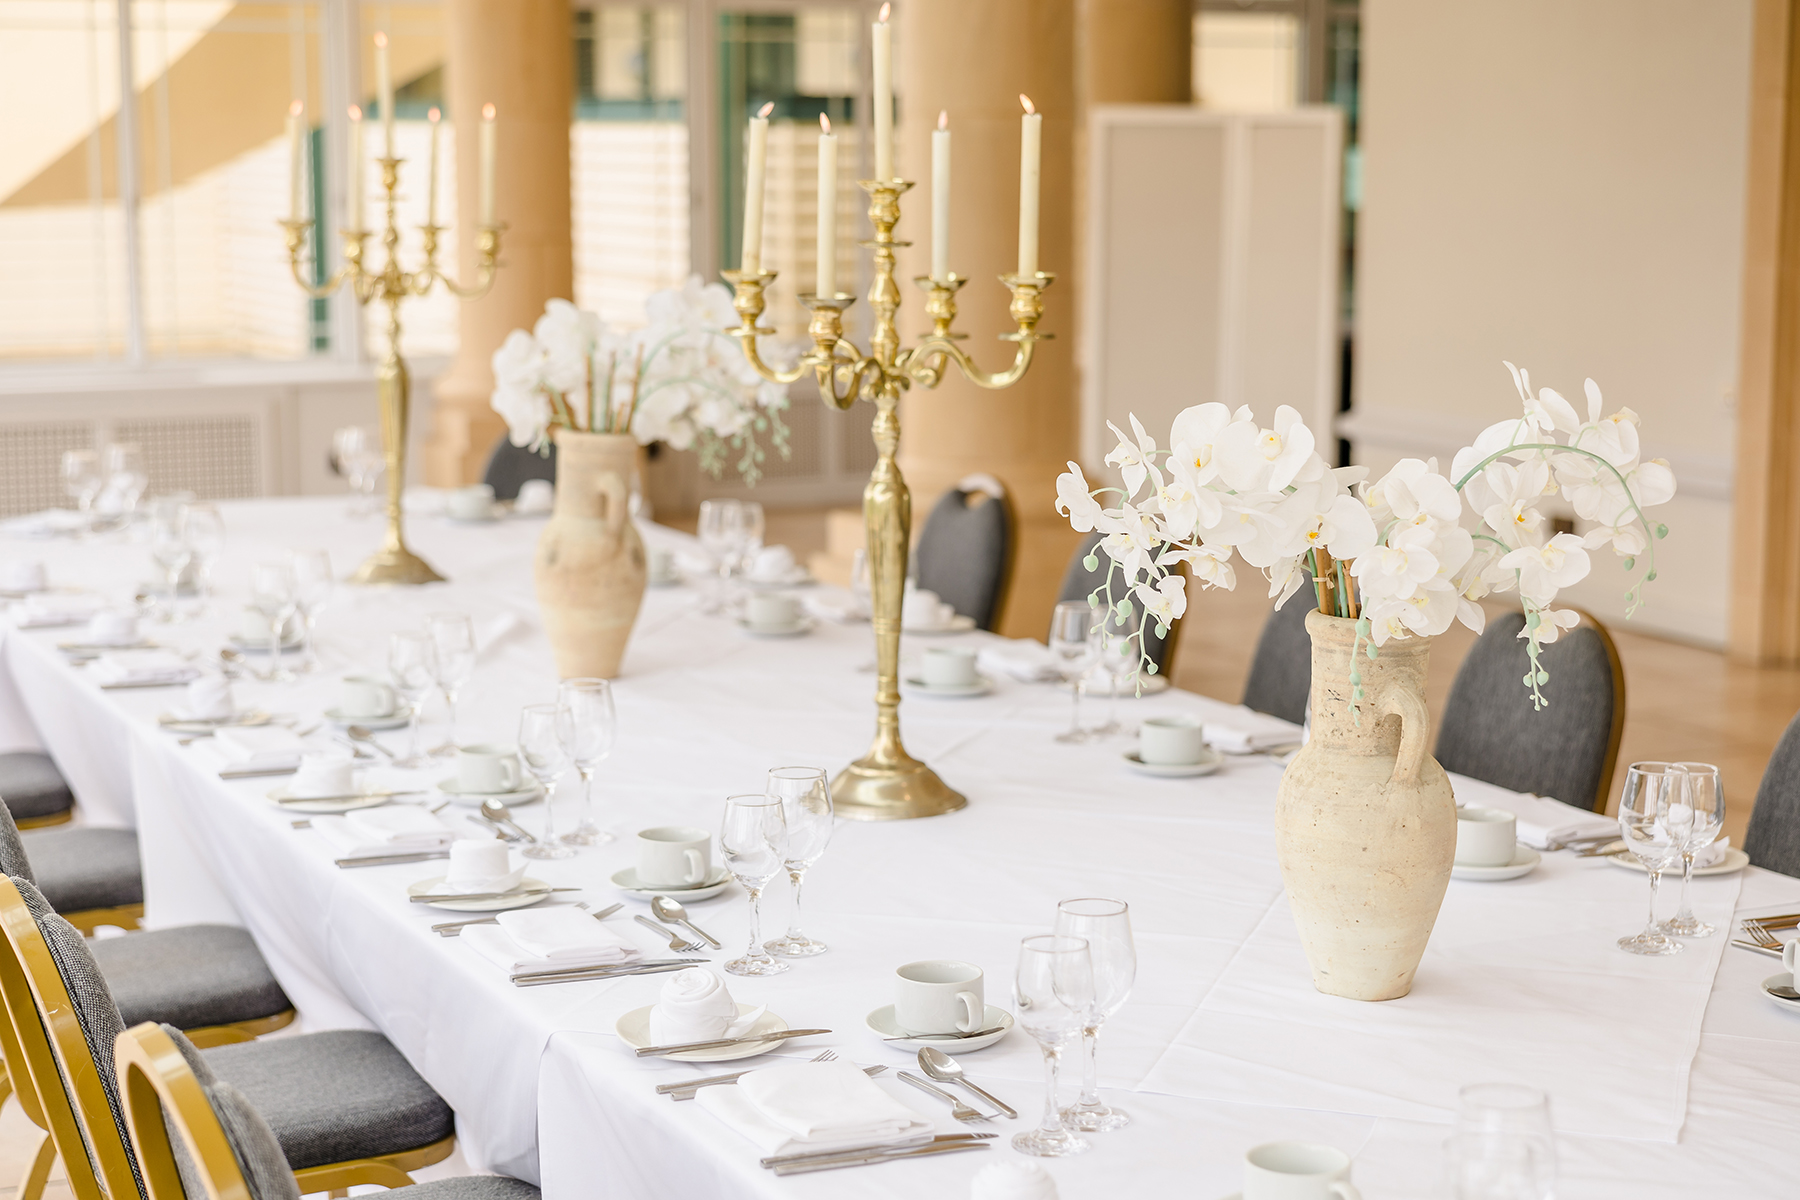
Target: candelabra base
{"type": "Point", "coordinates": [395, 564]}
{"type": "Point", "coordinates": [868, 790]}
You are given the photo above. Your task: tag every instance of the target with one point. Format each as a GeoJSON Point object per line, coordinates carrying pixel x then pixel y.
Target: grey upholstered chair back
{"type": "Point", "coordinates": [509, 466]}
{"type": "Point", "coordinates": [1079, 583]}
{"type": "Point", "coordinates": [1280, 679]}
{"type": "Point", "coordinates": [12, 848]}
{"type": "Point", "coordinates": [1566, 750]}
{"type": "Point", "coordinates": [965, 554]}
{"type": "Point", "coordinates": [1773, 839]}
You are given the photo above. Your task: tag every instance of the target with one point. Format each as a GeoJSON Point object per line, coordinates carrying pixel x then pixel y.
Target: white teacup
{"type": "Point", "coordinates": [488, 768]}
{"type": "Point", "coordinates": [535, 496]}
{"type": "Point", "coordinates": [1298, 1171]}
{"type": "Point", "coordinates": [477, 864]}
{"type": "Point", "coordinates": [366, 696]}
{"type": "Point", "coordinates": [771, 610]}
{"type": "Point", "coordinates": [938, 995]}
{"type": "Point", "coordinates": [1790, 958]}
{"type": "Point", "coordinates": [921, 608]}
{"type": "Point", "coordinates": [659, 564]}
{"type": "Point", "coordinates": [673, 856]}
{"type": "Point", "coordinates": [111, 628]}
{"type": "Point", "coordinates": [326, 773]}
{"type": "Point", "coordinates": [21, 575]}
{"type": "Point", "coordinates": [472, 503]}
{"type": "Point", "coordinates": [1171, 741]}
{"type": "Point", "coordinates": [948, 667]}
{"type": "Point", "coordinates": [1485, 837]}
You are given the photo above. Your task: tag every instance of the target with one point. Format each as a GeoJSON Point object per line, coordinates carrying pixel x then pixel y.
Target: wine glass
{"type": "Point", "coordinates": [1504, 1147]}
{"type": "Point", "coordinates": [1117, 654]}
{"type": "Point", "coordinates": [1650, 789]}
{"type": "Point", "coordinates": [1106, 927]}
{"type": "Point", "coordinates": [81, 478]}
{"type": "Point", "coordinates": [272, 595]}
{"type": "Point", "coordinates": [586, 723]}
{"type": "Point", "coordinates": [749, 534]}
{"type": "Point", "coordinates": [312, 580]}
{"type": "Point", "coordinates": [753, 841]}
{"type": "Point", "coordinates": [541, 747]}
{"type": "Point", "coordinates": [805, 795]}
{"type": "Point", "coordinates": [126, 478]}
{"type": "Point", "coordinates": [1697, 820]}
{"type": "Point", "coordinates": [1053, 995]}
{"type": "Point", "coordinates": [718, 531]}
{"type": "Point", "coordinates": [453, 642]}
{"type": "Point", "coordinates": [1074, 652]}
{"type": "Point", "coordinates": [358, 452]}
{"type": "Point", "coordinates": [170, 551]}
{"type": "Point", "coordinates": [412, 666]}
{"type": "Point", "coordinates": [204, 530]}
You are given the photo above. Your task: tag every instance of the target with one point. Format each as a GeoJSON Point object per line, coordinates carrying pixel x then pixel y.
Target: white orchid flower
{"type": "Point", "coordinates": [1076, 502]}
{"type": "Point", "coordinates": [1267, 460]}
{"type": "Point", "coordinates": [1211, 565]}
{"type": "Point", "coordinates": [1427, 613]}
{"type": "Point", "coordinates": [569, 337]}
{"type": "Point", "coordinates": [1186, 509]}
{"type": "Point", "coordinates": [1286, 578]}
{"type": "Point", "coordinates": [1544, 570]}
{"type": "Point", "coordinates": [1135, 459]}
{"type": "Point", "coordinates": [1551, 623]}
{"type": "Point", "coordinates": [1164, 602]}
{"type": "Point", "coordinates": [1411, 490]}
{"type": "Point", "coordinates": [1516, 491]}
{"type": "Point", "coordinates": [1551, 412]}
{"type": "Point", "coordinates": [1193, 441]}
{"type": "Point", "coordinates": [1134, 542]}
{"type": "Point", "coordinates": [1400, 568]}
{"type": "Point", "coordinates": [526, 413]}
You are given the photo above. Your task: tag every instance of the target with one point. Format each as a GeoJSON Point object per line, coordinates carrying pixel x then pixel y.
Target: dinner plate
{"type": "Point", "coordinates": [627, 881]}
{"type": "Point", "coordinates": [1782, 980]}
{"type": "Point", "coordinates": [1210, 761]}
{"type": "Point", "coordinates": [881, 1023]}
{"type": "Point", "coordinates": [1524, 862]}
{"type": "Point", "coordinates": [524, 795]}
{"type": "Point", "coordinates": [800, 577]}
{"type": "Point", "coordinates": [249, 718]}
{"type": "Point", "coordinates": [451, 903]}
{"type": "Point", "coordinates": [803, 625]}
{"type": "Point", "coordinates": [394, 720]}
{"type": "Point", "coordinates": [981, 687]}
{"type": "Point", "coordinates": [956, 624]}
{"type": "Point", "coordinates": [634, 1030]}
{"type": "Point", "coordinates": [1734, 860]}
{"type": "Point", "coordinates": [261, 646]}
{"type": "Point", "coordinates": [324, 806]}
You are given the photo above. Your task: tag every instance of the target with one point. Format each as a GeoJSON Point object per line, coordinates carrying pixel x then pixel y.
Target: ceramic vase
{"type": "Point", "coordinates": [590, 560]}
{"type": "Point", "coordinates": [1365, 825]}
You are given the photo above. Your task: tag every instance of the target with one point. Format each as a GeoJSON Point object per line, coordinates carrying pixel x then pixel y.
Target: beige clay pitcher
{"type": "Point", "coordinates": [590, 560]}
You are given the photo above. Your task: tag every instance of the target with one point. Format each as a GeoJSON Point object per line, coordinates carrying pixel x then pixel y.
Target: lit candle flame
{"type": "Point", "coordinates": [885, 10]}
{"type": "Point", "coordinates": [765, 110]}
{"type": "Point", "coordinates": [381, 41]}
{"type": "Point", "coordinates": [296, 108]}
{"type": "Point", "coordinates": [487, 112]}
{"type": "Point", "coordinates": [1026, 101]}
{"type": "Point", "coordinates": [434, 116]}
{"type": "Point", "coordinates": [943, 119]}
{"type": "Point", "coordinates": [824, 123]}
{"type": "Point", "coordinates": [356, 112]}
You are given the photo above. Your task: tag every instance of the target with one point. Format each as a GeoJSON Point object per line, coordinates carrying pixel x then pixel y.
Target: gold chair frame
{"type": "Point", "coordinates": [44, 822]}
{"type": "Point", "coordinates": [153, 1079]}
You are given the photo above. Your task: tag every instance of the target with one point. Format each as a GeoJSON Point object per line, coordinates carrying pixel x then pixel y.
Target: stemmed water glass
{"type": "Point", "coordinates": [1696, 820]}
{"type": "Point", "coordinates": [805, 795]}
{"type": "Point", "coordinates": [413, 667]}
{"type": "Point", "coordinates": [749, 534]}
{"type": "Point", "coordinates": [359, 459]}
{"type": "Point", "coordinates": [312, 587]}
{"type": "Point", "coordinates": [272, 595]}
{"type": "Point", "coordinates": [1117, 653]}
{"type": "Point", "coordinates": [586, 723]}
{"type": "Point", "coordinates": [204, 530]}
{"type": "Point", "coordinates": [170, 551]}
{"type": "Point", "coordinates": [1106, 927]}
{"type": "Point", "coordinates": [81, 478]}
{"type": "Point", "coordinates": [125, 478]}
{"type": "Point", "coordinates": [718, 528]}
{"type": "Point", "coordinates": [453, 642]}
{"type": "Point", "coordinates": [753, 842]}
{"type": "Point", "coordinates": [1651, 788]}
{"type": "Point", "coordinates": [1053, 995]}
{"type": "Point", "coordinates": [1074, 652]}
{"type": "Point", "coordinates": [540, 745]}
{"type": "Point", "coordinates": [1504, 1147]}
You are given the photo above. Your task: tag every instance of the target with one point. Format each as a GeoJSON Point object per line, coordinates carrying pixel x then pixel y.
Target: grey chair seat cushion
{"type": "Point", "coordinates": [510, 466]}
{"type": "Point", "coordinates": [1773, 839]}
{"type": "Point", "coordinates": [32, 786]}
{"type": "Point", "coordinates": [189, 976]}
{"type": "Point", "coordinates": [335, 1096]}
{"type": "Point", "coordinates": [469, 1187]}
{"type": "Point", "coordinates": [962, 554]}
{"type": "Point", "coordinates": [1079, 583]}
{"type": "Point", "coordinates": [85, 868]}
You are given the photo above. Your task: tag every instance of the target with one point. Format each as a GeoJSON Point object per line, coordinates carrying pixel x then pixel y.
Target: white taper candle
{"type": "Point", "coordinates": [884, 96]}
{"type": "Point", "coordinates": [940, 199]}
{"type": "Point", "coordinates": [296, 130]}
{"type": "Point", "coordinates": [487, 163]}
{"type": "Point", "coordinates": [353, 171]}
{"type": "Point", "coordinates": [753, 190]}
{"type": "Point", "coordinates": [431, 169]}
{"type": "Point", "coordinates": [825, 273]}
{"type": "Point", "coordinates": [1031, 129]}
{"type": "Point", "coordinates": [384, 88]}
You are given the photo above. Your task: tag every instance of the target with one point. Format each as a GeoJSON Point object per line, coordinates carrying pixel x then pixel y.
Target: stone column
{"type": "Point", "coordinates": [516, 54]}
{"type": "Point", "coordinates": [1135, 51]}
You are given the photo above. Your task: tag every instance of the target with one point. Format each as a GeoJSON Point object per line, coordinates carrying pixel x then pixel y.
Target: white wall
{"type": "Point", "coordinates": [1560, 184]}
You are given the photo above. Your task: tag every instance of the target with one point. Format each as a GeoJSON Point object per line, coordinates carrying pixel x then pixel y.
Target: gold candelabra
{"type": "Point", "coordinates": [393, 563]}
{"type": "Point", "coordinates": [887, 782]}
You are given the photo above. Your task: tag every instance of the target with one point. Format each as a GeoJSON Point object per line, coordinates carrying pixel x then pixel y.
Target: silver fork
{"type": "Point", "coordinates": [1760, 935]}
{"type": "Point", "coordinates": [677, 942]}
{"type": "Point", "coordinates": [958, 1109]}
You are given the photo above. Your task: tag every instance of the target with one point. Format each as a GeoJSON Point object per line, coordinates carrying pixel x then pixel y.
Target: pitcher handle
{"type": "Point", "coordinates": [1415, 726]}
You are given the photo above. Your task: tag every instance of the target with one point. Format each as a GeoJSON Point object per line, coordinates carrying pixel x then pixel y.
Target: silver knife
{"type": "Point", "coordinates": [686, 1091]}
{"type": "Point", "coordinates": [435, 897]}
{"type": "Point", "coordinates": [452, 928]}
{"type": "Point", "coordinates": [720, 1043]}
{"type": "Point", "coordinates": [1754, 946]}
{"type": "Point", "coordinates": [923, 1139]}
{"type": "Point", "coordinates": [258, 774]}
{"type": "Point", "coordinates": [348, 796]}
{"type": "Point", "coordinates": [946, 1037]}
{"type": "Point", "coordinates": [832, 1164]}
{"type": "Point", "coordinates": [579, 977]}
{"type": "Point", "coordinates": [388, 860]}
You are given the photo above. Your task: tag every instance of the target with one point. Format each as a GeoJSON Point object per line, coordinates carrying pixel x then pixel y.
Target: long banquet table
{"type": "Point", "coordinates": [1668, 1077]}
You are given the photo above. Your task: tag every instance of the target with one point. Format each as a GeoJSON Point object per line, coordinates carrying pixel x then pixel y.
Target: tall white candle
{"type": "Point", "coordinates": [940, 199]}
{"type": "Point", "coordinates": [296, 130]}
{"type": "Point", "coordinates": [487, 164]}
{"type": "Point", "coordinates": [1031, 129]}
{"type": "Point", "coordinates": [825, 274]}
{"type": "Point", "coordinates": [884, 96]}
{"type": "Point", "coordinates": [353, 172]}
{"type": "Point", "coordinates": [753, 190]}
{"type": "Point", "coordinates": [431, 170]}
{"type": "Point", "coordinates": [384, 88]}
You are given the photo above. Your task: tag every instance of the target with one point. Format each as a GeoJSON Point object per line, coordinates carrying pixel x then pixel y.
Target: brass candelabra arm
{"type": "Point", "coordinates": [296, 233]}
{"type": "Point", "coordinates": [487, 263]}
{"type": "Point", "coordinates": [925, 362]}
{"type": "Point", "coordinates": [844, 372]}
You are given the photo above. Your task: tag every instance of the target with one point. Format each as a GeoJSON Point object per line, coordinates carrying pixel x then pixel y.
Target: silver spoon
{"type": "Point", "coordinates": [1782, 990]}
{"type": "Point", "coordinates": [362, 733]}
{"type": "Point", "coordinates": [944, 1069]}
{"type": "Point", "coordinates": [671, 910]}
{"type": "Point", "coordinates": [231, 662]}
{"type": "Point", "coordinates": [498, 813]}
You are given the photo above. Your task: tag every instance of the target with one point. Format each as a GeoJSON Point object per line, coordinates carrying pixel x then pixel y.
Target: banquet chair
{"type": "Point", "coordinates": [35, 790]}
{"type": "Point", "coordinates": [197, 1136]}
{"type": "Point", "coordinates": [1079, 583]}
{"type": "Point", "coordinates": [509, 466]}
{"type": "Point", "coordinates": [1773, 839]}
{"type": "Point", "coordinates": [965, 553]}
{"type": "Point", "coordinates": [1280, 681]}
{"type": "Point", "coordinates": [1566, 750]}
{"type": "Point", "coordinates": [346, 1107]}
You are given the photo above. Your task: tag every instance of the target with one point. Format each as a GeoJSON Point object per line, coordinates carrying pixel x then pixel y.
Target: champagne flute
{"type": "Point", "coordinates": [453, 643]}
{"type": "Point", "coordinates": [540, 745]}
{"type": "Point", "coordinates": [1697, 820]}
{"type": "Point", "coordinates": [1650, 789]}
{"type": "Point", "coordinates": [1053, 995]}
{"type": "Point", "coordinates": [413, 669]}
{"type": "Point", "coordinates": [1074, 651]}
{"type": "Point", "coordinates": [272, 595]}
{"type": "Point", "coordinates": [805, 795]}
{"type": "Point", "coordinates": [1106, 927]}
{"type": "Point", "coordinates": [753, 842]}
{"type": "Point", "coordinates": [312, 579]}
{"type": "Point", "coordinates": [1504, 1147]}
{"type": "Point", "coordinates": [586, 723]}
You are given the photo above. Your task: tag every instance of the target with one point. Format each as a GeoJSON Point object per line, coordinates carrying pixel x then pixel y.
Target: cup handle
{"type": "Point", "coordinates": [1343, 1189]}
{"type": "Point", "coordinates": [973, 1011]}
{"type": "Point", "coordinates": [511, 773]}
{"type": "Point", "coordinates": [696, 867]}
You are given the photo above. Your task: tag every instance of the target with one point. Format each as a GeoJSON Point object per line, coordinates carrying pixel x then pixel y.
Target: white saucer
{"type": "Point", "coordinates": [176, 723]}
{"type": "Point", "coordinates": [1524, 862]}
{"type": "Point", "coordinates": [803, 625]}
{"type": "Point", "coordinates": [956, 624]}
{"type": "Point", "coordinates": [627, 881]}
{"type": "Point", "coordinates": [981, 687]}
{"type": "Point", "coordinates": [261, 645]}
{"type": "Point", "coordinates": [1784, 980]}
{"type": "Point", "coordinates": [1734, 860]}
{"type": "Point", "coordinates": [634, 1030]}
{"type": "Point", "coordinates": [454, 905]}
{"type": "Point", "coordinates": [324, 806]}
{"type": "Point", "coordinates": [801, 577]}
{"type": "Point", "coordinates": [1210, 761]}
{"type": "Point", "coordinates": [492, 516]}
{"type": "Point", "coordinates": [881, 1023]}
{"type": "Point", "coordinates": [524, 795]}
{"type": "Point", "coordinates": [339, 717]}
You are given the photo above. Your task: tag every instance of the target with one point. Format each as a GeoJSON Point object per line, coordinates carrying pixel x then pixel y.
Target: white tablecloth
{"type": "Point", "coordinates": [1668, 1076]}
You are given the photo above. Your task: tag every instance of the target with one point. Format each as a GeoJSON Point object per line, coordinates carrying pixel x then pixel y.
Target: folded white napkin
{"type": "Point", "coordinates": [258, 747]}
{"type": "Point", "coordinates": [501, 948]}
{"type": "Point", "coordinates": [1542, 820]}
{"type": "Point", "coordinates": [21, 575]}
{"type": "Point", "coordinates": [209, 699]}
{"type": "Point", "coordinates": [563, 934]}
{"type": "Point", "coordinates": [1247, 731]}
{"type": "Point", "coordinates": [773, 564]}
{"type": "Point", "coordinates": [143, 666]}
{"type": "Point", "coordinates": [43, 610]}
{"type": "Point", "coordinates": [112, 627]}
{"type": "Point", "coordinates": [811, 1106]}
{"type": "Point", "coordinates": [1020, 658]}
{"type": "Point", "coordinates": [535, 496]}
{"type": "Point", "coordinates": [1012, 1180]}
{"type": "Point", "coordinates": [424, 501]}
{"type": "Point", "coordinates": [1713, 855]}
{"type": "Point", "coordinates": [402, 834]}
{"type": "Point", "coordinates": [696, 1006]}
{"type": "Point", "coordinates": [52, 522]}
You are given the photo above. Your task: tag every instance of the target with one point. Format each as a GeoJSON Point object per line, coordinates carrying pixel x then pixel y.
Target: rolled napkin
{"type": "Point", "coordinates": [1019, 658]}
{"type": "Point", "coordinates": [144, 667]}
{"type": "Point", "coordinates": [1247, 731]}
{"type": "Point", "coordinates": [1542, 820]}
{"type": "Point", "coordinates": [811, 1106]}
{"type": "Point", "coordinates": [21, 575]}
{"type": "Point", "coordinates": [773, 564]}
{"type": "Point", "coordinates": [111, 627]}
{"type": "Point", "coordinates": [481, 865]}
{"type": "Point", "coordinates": [835, 604]}
{"type": "Point", "coordinates": [535, 496]}
{"type": "Point", "coordinates": [1713, 855]}
{"type": "Point", "coordinates": [922, 608]}
{"type": "Point", "coordinates": [696, 1006]}
{"type": "Point", "coordinates": [209, 699]}
{"type": "Point", "coordinates": [392, 829]}
{"type": "Point", "coordinates": [51, 522]}
{"type": "Point", "coordinates": [43, 610]}
{"type": "Point", "coordinates": [575, 937]}
{"type": "Point", "coordinates": [1012, 1180]}
{"type": "Point", "coordinates": [323, 773]}
{"type": "Point", "coordinates": [258, 747]}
